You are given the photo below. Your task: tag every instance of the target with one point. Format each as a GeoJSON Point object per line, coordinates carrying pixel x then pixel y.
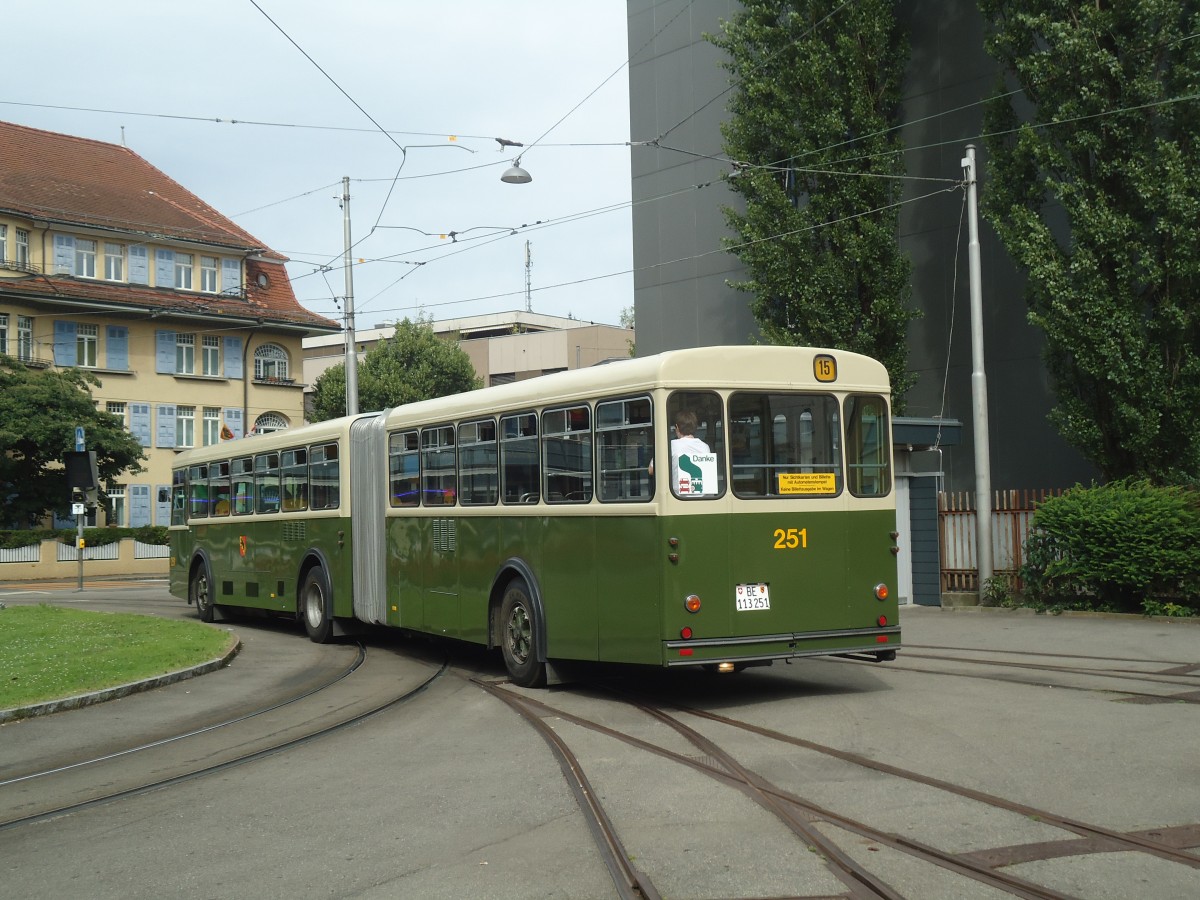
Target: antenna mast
{"type": "Point", "coordinates": [528, 278]}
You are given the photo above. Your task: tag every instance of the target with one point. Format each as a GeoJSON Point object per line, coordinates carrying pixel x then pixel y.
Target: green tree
{"type": "Point", "coordinates": [629, 320]}
{"type": "Point", "coordinates": [39, 411]}
{"type": "Point", "coordinates": [413, 364]}
{"type": "Point", "coordinates": [809, 128]}
{"type": "Point", "coordinates": [1095, 190]}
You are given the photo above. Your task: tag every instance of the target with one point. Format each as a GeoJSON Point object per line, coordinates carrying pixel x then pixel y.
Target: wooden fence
{"type": "Point", "coordinates": [1012, 513]}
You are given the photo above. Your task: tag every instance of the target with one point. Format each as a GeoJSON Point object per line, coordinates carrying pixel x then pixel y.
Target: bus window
{"type": "Point", "coordinates": [519, 472]}
{"type": "Point", "coordinates": [179, 497]}
{"type": "Point", "coordinates": [702, 411]}
{"type": "Point", "coordinates": [868, 467]}
{"type": "Point", "coordinates": [219, 488]}
{"type": "Point", "coordinates": [478, 475]}
{"type": "Point", "coordinates": [266, 482]}
{"type": "Point", "coordinates": [784, 445]}
{"type": "Point", "coordinates": [625, 447]}
{"type": "Point", "coordinates": [197, 485]}
{"type": "Point", "coordinates": [242, 473]}
{"type": "Point", "coordinates": [438, 486]}
{"type": "Point", "coordinates": [294, 464]}
{"type": "Point", "coordinates": [567, 454]}
{"type": "Point", "coordinates": [324, 474]}
{"type": "Point", "coordinates": [404, 469]}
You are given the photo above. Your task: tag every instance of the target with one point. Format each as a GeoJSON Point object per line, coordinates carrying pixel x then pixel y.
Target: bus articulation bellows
{"type": "Point", "coordinates": [567, 517]}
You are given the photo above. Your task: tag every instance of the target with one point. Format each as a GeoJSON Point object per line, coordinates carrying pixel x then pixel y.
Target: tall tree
{"type": "Point", "coordinates": [817, 85]}
{"type": "Point", "coordinates": [413, 364]}
{"type": "Point", "coordinates": [1095, 190]}
{"type": "Point", "coordinates": [39, 411]}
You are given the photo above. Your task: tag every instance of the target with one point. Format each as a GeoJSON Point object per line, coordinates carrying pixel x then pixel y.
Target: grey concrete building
{"type": "Point", "coordinates": [678, 96]}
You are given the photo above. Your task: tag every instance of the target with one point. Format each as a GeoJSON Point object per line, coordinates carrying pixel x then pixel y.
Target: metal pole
{"type": "Point", "coordinates": [351, 352]}
{"type": "Point", "coordinates": [79, 549]}
{"type": "Point", "coordinates": [983, 463]}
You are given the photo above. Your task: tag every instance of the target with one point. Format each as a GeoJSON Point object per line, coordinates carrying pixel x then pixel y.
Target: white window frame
{"type": "Point", "coordinates": [210, 355]}
{"type": "Point", "coordinates": [116, 408]}
{"type": "Point", "coordinates": [4, 333]}
{"type": "Point", "coordinates": [87, 345]}
{"type": "Point", "coordinates": [185, 354]}
{"type": "Point", "coordinates": [3, 243]}
{"type": "Point", "coordinates": [25, 338]}
{"type": "Point", "coordinates": [185, 426]}
{"type": "Point", "coordinates": [212, 425]}
{"type": "Point", "coordinates": [209, 270]}
{"type": "Point", "coordinates": [114, 261]}
{"type": "Point", "coordinates": [22, 258]}
{"type": "Point", "coordinates": [270, 363]}
{"type": "Point", "coordinates": [119, 516]}
{"type": "Point", "coordinates": [85, 258]}
{"type": "Point", "coordinates": [269, 422]}
{"type": "Point", "coordinates": [183, 271]}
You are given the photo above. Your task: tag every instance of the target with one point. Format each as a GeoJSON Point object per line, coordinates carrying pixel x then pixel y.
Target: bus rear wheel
{"type": "Point", "coordinates": [519, 636]}
{"type": "Point", "coordinates": [200, 593]}
{"type": "Point", "coordinates": [316, 605]}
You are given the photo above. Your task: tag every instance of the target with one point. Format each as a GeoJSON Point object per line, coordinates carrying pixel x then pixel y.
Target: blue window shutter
{"type": "Point", "coordinates": [117, 347]}
{"type": "Point", "coordinates": [231, 276]}
{"type": "Point", "coordinates": [139, 505]}
{"type": "Point", "coordinates": [164, 268]}
{"type": "Point", "coordinates": [162, 508]}
{"type": "Point", "coordinates": [64, 254]}
{"type": "Point", "coordinates": [233, 357]}
{"type": "Point", "coordinates": [139, 422]}
{"type": "Point", "coordinates": [166, 425]}
{"type": "Point", "coordinates": [139, 264]}
{"type": "Point", "coordinates": [233, 418]}
{"type": "Point", "coordinates": [64, 344]}
{"type": "Point", "coordinates": [164, 352]}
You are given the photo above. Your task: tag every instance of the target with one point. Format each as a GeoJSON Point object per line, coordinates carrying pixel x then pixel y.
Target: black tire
{"type": "Point", "coordinates": [200, 592]}
{"type": "Point", "coordinates": [316, 606]}
{"type": "Point", "coordinates": [519, 636]}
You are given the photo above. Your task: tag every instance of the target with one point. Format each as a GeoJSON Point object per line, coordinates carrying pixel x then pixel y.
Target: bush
{"type": "Point", "coordinates": [1128, 546]}
{"type": "Point", "coordinates": [92, 537]}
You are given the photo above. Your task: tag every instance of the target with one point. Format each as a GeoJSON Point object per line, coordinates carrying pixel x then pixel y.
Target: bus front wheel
{"type": "Point", "coordinates": [200, 593]}
{"type": "Point", "coordinates": [518, 636]}
{"type": "Point", "coordinates": [316, 606]}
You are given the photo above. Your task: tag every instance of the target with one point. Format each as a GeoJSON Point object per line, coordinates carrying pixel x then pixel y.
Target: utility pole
{"type": "Point", "coordinates": [983, 461]}
{"type": "Point", "coordinates": [351, 351]}
{"type": "Point", "coordinates": [528, 278]}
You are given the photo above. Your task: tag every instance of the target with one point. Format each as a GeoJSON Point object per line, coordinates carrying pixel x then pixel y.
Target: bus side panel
{"type": "Point", "coordinates": [478, 553]}
{"type": "Point", "coordinates": [439, 565]}
{"type": "Point", "coordinates": [630, 553]}
{"type": "Point", "coordinates": [568, 593]}
{"type": "Point", "coordinates": [404, 574]}
{"type": "Point", "coordinates": [182, 546]}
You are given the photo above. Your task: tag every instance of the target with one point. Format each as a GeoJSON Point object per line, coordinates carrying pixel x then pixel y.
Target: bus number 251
{"type": "Point", "coordinates": [791, 539]}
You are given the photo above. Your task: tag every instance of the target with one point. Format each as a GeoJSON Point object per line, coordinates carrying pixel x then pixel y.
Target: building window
{"type": "Point", "coordinates": [3, 243]}
{"type": "Point", "coordinates": [208, 274]}
{"type": "Point", "coordinates": [268, 422]}
{"type": "Point", "coordinates": [116, 496]}
{"type": "Point", "coordinates": [185, 426]}
{"type": "Point", "coordinates": [183, 271]}
{"type": "Point", "coordinates": [85, 258]}
{"type": "Point", "coordinates": [4, 333]}
{"type": "Point", "coordinates": [87, 343]}
{"type": "Point", "coordinates": [114, 262]}
{"type": "Point", "coordinates": [22, 247]}
{"type": "Point", "coordinates": [212, 425]}
{"type": "Point", "coordinates": [24, 337]}
{"type": "Point", "coordinates": [270, 363]}
{"type": "Point", "coordinates": [185, 354]}
{"type": "Point", "coordinates": [210, 355]}
{"type": "Point", "coordinates": [116, 408]}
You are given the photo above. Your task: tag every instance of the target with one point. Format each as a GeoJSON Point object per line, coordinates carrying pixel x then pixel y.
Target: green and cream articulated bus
{"type": "Point", "coordinates": [571, 516]}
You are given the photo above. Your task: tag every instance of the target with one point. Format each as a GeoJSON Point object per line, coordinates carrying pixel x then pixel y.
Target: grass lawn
{"type": "Point", "coordinates": [50, 652]}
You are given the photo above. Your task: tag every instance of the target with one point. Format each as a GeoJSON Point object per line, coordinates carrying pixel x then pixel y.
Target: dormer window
{"type": "Point", "coordinates": [208, 274]}
{"type": "Point", "coordinates": [85, 258]}
{"type": "Point", "coordinates": [114, 261]}
{"type": "Point", "coordinates": [183, 271]}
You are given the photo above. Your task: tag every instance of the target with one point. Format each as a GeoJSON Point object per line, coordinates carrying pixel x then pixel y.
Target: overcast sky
{"type": "Point", "coordinates": [157, 74]}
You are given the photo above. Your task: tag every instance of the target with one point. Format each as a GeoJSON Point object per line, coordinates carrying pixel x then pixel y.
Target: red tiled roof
{"type": "Point", "coordinates": [72, 179]}
{"type": "Point", "coordinates": [67, 179]}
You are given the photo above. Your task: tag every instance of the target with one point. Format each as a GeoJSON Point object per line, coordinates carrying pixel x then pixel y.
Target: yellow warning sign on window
{"type": "Point", "coordinates": [807, 483]}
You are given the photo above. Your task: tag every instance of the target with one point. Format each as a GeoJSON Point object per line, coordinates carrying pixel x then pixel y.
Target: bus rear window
{"type": "Point", "coordinates": [696, 428]}
{"type": "Point", "coordinates": [784, 445]}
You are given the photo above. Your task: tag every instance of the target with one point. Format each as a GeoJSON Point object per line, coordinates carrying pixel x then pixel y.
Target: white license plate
{"type": "Point", "coordinates": [749, 597]}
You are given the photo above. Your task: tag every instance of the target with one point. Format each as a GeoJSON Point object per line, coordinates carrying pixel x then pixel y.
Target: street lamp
{"type": "Point", "coordinates": [515, 174]}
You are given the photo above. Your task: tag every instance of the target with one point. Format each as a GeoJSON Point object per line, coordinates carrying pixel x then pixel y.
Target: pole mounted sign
{"type": "Point", "coordinates": [79, 439]}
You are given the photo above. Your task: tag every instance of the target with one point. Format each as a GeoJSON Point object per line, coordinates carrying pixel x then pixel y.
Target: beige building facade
{"type": "Point", "coordinates": [189, 323]}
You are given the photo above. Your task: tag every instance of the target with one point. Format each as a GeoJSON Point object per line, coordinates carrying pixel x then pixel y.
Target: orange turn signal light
{"type": "Point", "coordinates": [692, 603]}
{"type": "Point", "coordinates": [881, 591]}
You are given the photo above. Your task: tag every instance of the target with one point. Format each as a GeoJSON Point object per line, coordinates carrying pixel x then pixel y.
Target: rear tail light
{"type": "Point", "coordinates": [883, 621]}
{"type": "Point", "coordinates": [686, 633]}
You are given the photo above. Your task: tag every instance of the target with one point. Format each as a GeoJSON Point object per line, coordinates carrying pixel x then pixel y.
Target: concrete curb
{"type": "Point", "coordinates": [122, 690]}
{"type": "Point", "coordinates": [1066, 614]}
